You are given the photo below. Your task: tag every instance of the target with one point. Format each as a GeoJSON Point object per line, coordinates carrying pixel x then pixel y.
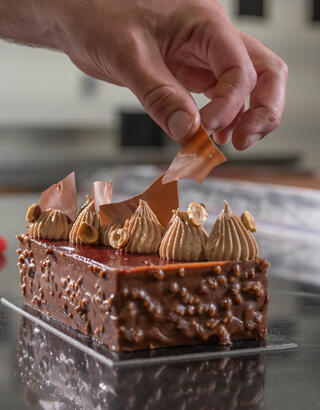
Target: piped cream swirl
{"type": "Point", "coordinates": [230, 239]}
{"type": "Point", "coordinates": [88, 216]}
{"type": "Point", "coordinates": [182, 239]}
{"type": "Point", "coordinates": [52, 224]}
{"type": "Point", "coordinates": [145, 230]}
{"type": "Point", "coordinates": [105, 231]}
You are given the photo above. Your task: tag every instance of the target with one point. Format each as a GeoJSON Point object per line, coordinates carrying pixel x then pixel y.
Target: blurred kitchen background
{"type": "Point", "coordinates": [54, 118]}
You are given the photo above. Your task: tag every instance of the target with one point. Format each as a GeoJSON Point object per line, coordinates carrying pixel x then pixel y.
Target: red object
{"type": "Point", "coordinates": [3, 244]}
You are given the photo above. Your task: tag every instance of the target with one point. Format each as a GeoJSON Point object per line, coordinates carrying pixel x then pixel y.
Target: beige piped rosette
{"type": "Point", "coordinates": [50, 224]}
{"type": "Point", "coordinates": [86, 227]}
{"type": "Point", "coordinates": [185, 236]}
{"type": "Point", "coordinates": [140, 234]}
{"type": "Point", "coordinates": [231, 237]}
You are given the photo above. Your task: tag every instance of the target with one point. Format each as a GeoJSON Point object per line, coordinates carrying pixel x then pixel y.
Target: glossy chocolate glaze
{"type": "Point", "coordinates": [132, 302]}
{"type": "Point", "coordinates": [56, 372]}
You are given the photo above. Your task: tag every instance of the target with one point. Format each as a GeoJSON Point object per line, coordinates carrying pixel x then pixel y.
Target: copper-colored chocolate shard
{"type": "Point", "coordinates": [162, 199]}
{"type": "Point", "coordinates": [102, 193]}
{"type": "Point", "coordinates": [195, 159]}
{"type": "Point", "coordinates": [61, 196]}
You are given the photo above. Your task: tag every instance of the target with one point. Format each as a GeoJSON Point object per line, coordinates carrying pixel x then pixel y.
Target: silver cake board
{"type": "Point", "coordinates": [167, 355]}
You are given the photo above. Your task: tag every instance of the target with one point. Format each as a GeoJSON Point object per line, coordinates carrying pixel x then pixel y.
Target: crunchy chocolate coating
{"type": "Point", "coordinates": [132, 302]}
{"type": "Point", "coordinates": [54, 371]}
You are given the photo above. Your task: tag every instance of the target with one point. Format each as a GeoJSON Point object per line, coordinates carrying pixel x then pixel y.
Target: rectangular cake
{"type": "Point", "coordinates": [141, 301]}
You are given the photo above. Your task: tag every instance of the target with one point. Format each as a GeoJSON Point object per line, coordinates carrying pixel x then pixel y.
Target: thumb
{"type": "Point", "coordinates": [163, 97]}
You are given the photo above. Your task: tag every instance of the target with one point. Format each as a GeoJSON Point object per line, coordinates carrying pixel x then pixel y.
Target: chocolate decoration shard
{"type": "Point", "coordinates": [195, 159]}
{"type": "Point", "coordinates": [61, 196]}
{"type": "Point", "coordinates": [161, 198]}
{"type": "Point", "coordinates": [102, 193]}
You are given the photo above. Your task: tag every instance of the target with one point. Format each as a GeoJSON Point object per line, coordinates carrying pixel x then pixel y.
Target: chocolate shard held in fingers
{"type": "Point", "coordinates": [61, 196]}
{"type": "Point", "coordinates": [195, 159]}
{"type": "Point", "coordinates": [162, 199]}
{"type": "Point", "coordinates": [102, 193]}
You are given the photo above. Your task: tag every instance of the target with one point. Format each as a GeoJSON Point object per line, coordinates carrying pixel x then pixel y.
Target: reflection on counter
{"type": "Point", "coordinates": [56, 375]}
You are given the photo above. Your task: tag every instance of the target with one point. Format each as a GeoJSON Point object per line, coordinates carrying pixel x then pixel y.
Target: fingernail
{"type": "Point", "coordinates": [180, 123]}
{"type": "Point", "coordinates": [251, 139]}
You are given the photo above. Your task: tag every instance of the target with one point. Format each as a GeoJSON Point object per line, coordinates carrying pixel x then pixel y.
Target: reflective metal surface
{"type": "Point", "coordinates": [41, 371]}
{"type": "Point", "coordinates": [45, 324]}
{"type": "Point", "coordinates": [83, 383]}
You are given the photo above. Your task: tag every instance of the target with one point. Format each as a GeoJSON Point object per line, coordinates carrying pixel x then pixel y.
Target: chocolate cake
{"type": "Point", "coordinates": [142, 273]}
{"type": "Point", "coordinates": [130, 301]}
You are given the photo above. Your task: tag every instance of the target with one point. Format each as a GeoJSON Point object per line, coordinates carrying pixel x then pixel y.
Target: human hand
{"type": "Point", "coordinates": [164, 50]}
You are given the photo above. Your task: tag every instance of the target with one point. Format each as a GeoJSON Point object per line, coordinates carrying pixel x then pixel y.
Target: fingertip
{"type": "Point", "coordinates": [190, 129]}
{"type": "Point", "coordinates": [221, 137]}
{"type": "Point", "coordinates": [244, 143]}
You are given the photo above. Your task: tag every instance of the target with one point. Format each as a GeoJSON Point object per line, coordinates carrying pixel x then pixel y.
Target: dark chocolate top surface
{"type": "Point", "coordinates": [119, 260]}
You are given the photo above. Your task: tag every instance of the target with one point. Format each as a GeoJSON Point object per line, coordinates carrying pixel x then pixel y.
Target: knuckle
{"type": "Point", "coordinates": [251, 77]}
{"type": "Point", "coordinates": [219, 7]}
{"type": "Point", "coordinates": [277, 68]}
{"type": "Point", "coordinates": [247, 76]}
{"type": "Point", "coordinates": [132, 39]}
{"type": "Point", "coordinates": [282, 67]}
{"type": "Point", "coordinates": [267, 116]}
{"type": "Point", "coordinates": [223, 124]}
{"type": "Point", "coordinates": [158, 98]}
{"type": "Point", "coordinates": [223, 121]}
{"type": "Point", "coordinates": [274, 121]}
{"type": "Point", "coordinates": [130, 43]}
{"type": "Point", "coordinates": [220, 10]}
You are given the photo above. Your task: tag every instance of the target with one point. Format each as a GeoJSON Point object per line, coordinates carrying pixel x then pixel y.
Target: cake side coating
{"type": "Point", "coordinates": [134, 305]}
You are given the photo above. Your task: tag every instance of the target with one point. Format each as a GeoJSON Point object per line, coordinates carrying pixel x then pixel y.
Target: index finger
{"type": "Point", "coordinates": [267, 99]}
{"type": "Point", "coordinates": [230, 63]}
